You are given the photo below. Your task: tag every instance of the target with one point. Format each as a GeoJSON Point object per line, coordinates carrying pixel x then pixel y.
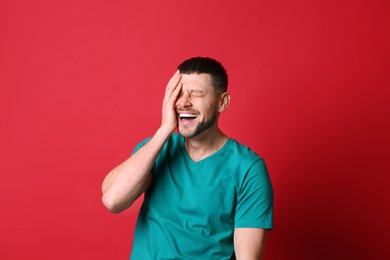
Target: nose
{"type": "Point", "coordinates": [183, 100]}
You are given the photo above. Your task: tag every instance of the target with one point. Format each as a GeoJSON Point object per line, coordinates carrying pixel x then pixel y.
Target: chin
{"type": "Point", "coordinates": [186, 134]}
{"type": "Point", "coordinates": [198, 129]}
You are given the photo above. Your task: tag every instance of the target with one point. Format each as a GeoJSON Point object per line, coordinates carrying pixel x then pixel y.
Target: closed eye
{"type": "Point", "coordinates": [196, 92]}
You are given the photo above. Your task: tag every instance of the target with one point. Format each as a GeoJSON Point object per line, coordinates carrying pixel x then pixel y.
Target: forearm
{"type": "Point", "coordinates": [125, 183]}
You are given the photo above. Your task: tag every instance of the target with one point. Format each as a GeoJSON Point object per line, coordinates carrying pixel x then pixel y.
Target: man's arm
{"type": "Point", "coordinates": [125, 183]}
{"type": "Point", "coordinates": [249, 243]}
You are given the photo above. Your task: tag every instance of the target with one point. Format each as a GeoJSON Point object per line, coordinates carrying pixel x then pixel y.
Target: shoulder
{"type": "Point", "coordinates": [243, 152]}
{"type": "Point", "coordinates": [175, 138]}
{"type": "Point", "coordinates": [243, 163]}
{"type": "Point", "coordinates": [173, 142]}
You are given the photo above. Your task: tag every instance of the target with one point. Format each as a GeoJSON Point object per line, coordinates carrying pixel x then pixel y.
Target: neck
{"type": "Point", "coordinates": [205, 144]}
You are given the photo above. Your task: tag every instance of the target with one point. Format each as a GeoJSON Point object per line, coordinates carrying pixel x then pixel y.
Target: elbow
{"type": "Point", "coordinates": [110, 203]}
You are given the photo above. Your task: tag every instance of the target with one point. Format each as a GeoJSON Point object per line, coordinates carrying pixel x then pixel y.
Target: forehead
{"type": "Point", "coordinates": [197, 81]}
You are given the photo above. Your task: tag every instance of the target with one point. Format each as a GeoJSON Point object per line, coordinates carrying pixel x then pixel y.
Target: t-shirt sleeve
{"type": "Point", "coordinates": [254, 205]}
{"type": "Point", "coordinates": [139, 145]}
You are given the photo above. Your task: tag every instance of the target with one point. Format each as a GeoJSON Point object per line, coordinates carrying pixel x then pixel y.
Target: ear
{"type": "Point", "coordinates": [224, 102]}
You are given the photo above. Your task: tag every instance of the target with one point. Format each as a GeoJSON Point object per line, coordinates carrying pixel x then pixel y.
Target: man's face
{"type": "Point", "coordinates": [197, 105]}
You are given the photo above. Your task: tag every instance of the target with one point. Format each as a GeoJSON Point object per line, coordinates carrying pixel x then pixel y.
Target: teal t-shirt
{"type": "Point", "coordinates": [192, 208]}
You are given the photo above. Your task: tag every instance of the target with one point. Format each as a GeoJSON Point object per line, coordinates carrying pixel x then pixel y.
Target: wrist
{"type": "Point", "coordinates": [164, 132]}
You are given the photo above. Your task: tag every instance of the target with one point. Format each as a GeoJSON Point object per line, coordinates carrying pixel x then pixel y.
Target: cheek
{"type": "Point", "coordinates": [208, 104]}
{"type": "Point", "coordinates": [209, 109]}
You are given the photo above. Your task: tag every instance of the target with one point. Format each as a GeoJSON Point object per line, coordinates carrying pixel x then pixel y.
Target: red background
{"type": "Point", "coordinates": [82, 83]}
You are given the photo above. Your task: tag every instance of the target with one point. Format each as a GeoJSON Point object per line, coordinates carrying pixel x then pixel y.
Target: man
{"type": "Point", "coordinates": [206, 195]}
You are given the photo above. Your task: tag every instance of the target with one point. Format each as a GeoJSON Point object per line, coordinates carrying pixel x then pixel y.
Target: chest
{"type": "Point", "coordinates": [206, 190]}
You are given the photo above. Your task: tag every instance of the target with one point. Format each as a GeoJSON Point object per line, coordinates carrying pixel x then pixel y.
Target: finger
{"type": "Point", "coordinates": [172, 87]}
{"type": "Point", "coordinates": [176, 91]}
{"type": "Point", "coordinates": [173, 79]}
{"type": "Point", "coordinates": [174, 95]}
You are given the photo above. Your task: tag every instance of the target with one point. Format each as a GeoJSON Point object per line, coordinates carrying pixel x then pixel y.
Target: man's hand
{"type": "Point", "coordinates": [126, 182]}
{"type": "Point", "coordinates": [169, 117]}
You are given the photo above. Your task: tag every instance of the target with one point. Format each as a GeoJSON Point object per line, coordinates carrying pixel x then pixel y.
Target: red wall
{"type": "Point", "coordinates": [81, 82]}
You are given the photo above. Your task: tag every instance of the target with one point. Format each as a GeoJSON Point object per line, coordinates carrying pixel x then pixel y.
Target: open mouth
{"type": "Point", "coordinates": [187, 116]}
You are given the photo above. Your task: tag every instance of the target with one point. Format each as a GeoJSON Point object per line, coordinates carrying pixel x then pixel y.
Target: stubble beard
{"type": "Point", "coordinates": [200, 128]}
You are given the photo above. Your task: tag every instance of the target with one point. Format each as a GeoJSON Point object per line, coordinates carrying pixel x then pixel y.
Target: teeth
{"type": "Point", "coordinates": [187, 115]}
